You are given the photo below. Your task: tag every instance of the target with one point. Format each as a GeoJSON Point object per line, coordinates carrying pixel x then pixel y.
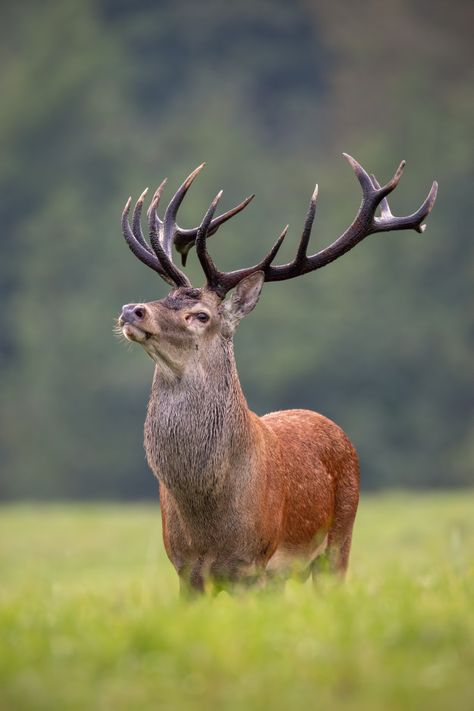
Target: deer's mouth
{"type": "Point", "coordinates": [135, 333]}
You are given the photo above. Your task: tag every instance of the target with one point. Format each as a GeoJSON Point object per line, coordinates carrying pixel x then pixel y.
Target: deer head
{"type": "Point", "coordinates": [191, 323]}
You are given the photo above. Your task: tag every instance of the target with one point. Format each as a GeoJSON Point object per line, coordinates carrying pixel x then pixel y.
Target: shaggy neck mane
{"type": "Point", "coordinates": [198, 428]}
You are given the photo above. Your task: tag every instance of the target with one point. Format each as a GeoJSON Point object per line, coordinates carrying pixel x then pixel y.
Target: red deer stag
{"type": "Point", "coordinates": [242, 497]}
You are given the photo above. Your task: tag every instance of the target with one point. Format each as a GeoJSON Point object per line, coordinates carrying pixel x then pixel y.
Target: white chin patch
{"type": "Point", "coordinates": [132, 333]}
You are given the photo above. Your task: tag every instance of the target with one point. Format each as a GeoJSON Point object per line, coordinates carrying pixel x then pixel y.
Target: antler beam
{"type": "Point", "coordinates": [364, 224]}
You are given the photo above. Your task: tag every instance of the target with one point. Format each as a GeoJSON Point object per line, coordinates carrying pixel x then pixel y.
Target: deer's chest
{"type": "Point", "coordinates": [186, 444]}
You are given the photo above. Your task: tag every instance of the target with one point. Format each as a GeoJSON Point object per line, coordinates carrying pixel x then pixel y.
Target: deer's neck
{"type": "Point", "coordinates": [198, 428]}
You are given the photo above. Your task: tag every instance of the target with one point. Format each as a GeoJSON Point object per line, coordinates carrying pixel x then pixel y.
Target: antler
{"type": "Point", "coordinates": [364, 224]}
{"type": "Point", "coordinates": [164, 233]}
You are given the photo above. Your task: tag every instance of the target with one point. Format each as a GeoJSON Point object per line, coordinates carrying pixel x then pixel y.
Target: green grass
{"type": "Point", "coordinates": [90, 618]}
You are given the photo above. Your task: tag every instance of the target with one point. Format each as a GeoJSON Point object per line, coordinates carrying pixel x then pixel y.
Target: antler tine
{"type": "Point", "coordinates": [385, 190]}
{"type": "Point", "coordinates": [156, 199]}
{"type": "Point", "coordinates": [229, 280]}
{"type": "Point", "coordinates": [308, 226]}
{"type": "Point", "coordinates": [384, 206]}
{"type": "Point", "coordinates": [138, 249]}
{"type": "Point", "coordinates": [186, 238]}
{"type": "Point", "coordinates": [362, 176]}
{"type": "Point", "coordinates": [136, 221]}
{"type": "Point", "coordinates": [220, 219]}
{"type": "Point", "coordinates": [266, 261]}
{"type": "Point", "coordinates": [208, 266]}
{"type": "Point", "coordinates": [174, 275]}
{"type": "Point", "coordinates": [170, 227]}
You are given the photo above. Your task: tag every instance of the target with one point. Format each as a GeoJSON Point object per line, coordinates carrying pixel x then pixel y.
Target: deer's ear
{"type": "Point", "coordinates": [244, 297]}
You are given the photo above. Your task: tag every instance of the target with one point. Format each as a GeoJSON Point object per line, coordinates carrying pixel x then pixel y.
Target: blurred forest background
{"type": "Point", "coordinates": [103, 97]}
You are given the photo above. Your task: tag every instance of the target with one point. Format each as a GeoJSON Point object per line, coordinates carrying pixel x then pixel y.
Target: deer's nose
{"type": "Point", "coordinates": [131, 313]}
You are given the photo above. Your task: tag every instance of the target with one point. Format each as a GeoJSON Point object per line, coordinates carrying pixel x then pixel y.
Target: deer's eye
{"type": "Point", "coordinates": [202, 317]}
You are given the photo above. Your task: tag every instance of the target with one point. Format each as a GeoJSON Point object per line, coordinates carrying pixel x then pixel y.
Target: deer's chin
{"type": "Point", "coordinates": [135, 334]}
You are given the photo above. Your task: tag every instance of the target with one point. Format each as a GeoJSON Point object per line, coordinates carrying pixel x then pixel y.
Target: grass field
{"type": "Point", "coordinates": [90, 618]}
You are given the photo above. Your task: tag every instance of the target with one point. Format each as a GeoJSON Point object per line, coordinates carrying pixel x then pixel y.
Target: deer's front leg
{"type": "Point", "coordinates": [176, 541]}
{"type": "Point", "coordinates": [192, 579]}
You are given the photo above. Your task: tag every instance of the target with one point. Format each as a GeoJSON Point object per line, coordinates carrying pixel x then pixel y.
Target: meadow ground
{"type": "Point", "coordinates": [90, 618]}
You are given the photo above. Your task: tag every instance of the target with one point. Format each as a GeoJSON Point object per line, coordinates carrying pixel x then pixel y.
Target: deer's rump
{"type": "Point", "coordinates": [318, 465]}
